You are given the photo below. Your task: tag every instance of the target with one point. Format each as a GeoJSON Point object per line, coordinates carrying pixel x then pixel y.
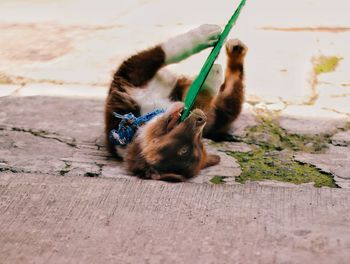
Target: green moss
{"type": "Point", "coordinates": [270, 136]}
{"type": "Point", "coordinates": [324, 64]}
{"type": "Point", "coordinates": [271, 158]}
{"type": "Point", "coordinates": [215, 144]}
{"type": "Point", "coordinates": [260, 164]}
{"type": "Point", "coordinates": [218, 179]}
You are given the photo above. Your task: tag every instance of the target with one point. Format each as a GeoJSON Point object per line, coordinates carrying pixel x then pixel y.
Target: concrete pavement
{"type": "Point", "coordinates": [63, 199]}
{"type": "Point", "coordinates": [47, 219]}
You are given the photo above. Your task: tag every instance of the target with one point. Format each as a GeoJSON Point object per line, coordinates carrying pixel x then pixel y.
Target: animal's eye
{"type": "Point", "coordinates": [183, 151]}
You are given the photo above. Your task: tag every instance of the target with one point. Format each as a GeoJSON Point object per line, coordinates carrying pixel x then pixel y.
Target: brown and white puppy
{"type": "Point", "coordinates": [164, 148]}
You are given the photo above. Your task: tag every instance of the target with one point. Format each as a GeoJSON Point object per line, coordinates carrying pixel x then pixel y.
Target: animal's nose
{"type": "Point", "coordinates": [200, 120]}
{"type": "Point", "coordinates": [199, 117]}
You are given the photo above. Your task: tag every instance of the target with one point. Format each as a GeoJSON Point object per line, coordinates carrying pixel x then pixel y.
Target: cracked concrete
{"type": "Point", "coordinates": [74, 143]}
{"type": "Point", "coordinates": [70, 145]}
{"type": "Point", "coordinates": [336, 160]}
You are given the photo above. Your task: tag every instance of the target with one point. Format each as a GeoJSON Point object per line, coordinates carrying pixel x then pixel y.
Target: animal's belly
{"type": "Point", "coordinates": [151, 97]}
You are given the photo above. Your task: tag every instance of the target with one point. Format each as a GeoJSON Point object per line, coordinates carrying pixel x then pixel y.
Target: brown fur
{"type": "Point", "coordinates": [165, 151]}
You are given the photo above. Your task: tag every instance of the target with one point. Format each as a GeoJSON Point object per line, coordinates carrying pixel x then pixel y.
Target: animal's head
{"type": "Point", "coordinates": [167, 149]}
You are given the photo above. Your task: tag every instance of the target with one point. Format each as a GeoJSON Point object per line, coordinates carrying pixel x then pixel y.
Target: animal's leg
{"type": "Point", "coordinates": [209, 89]}
{"type": "Point", "coordinates": [140, 68]}
{"type": "Point", "coordinates": [182, 46]}
{"type": "Point", "coordinates": [227, 104]}
{"type": "Point", "coordinates": [206, 94]}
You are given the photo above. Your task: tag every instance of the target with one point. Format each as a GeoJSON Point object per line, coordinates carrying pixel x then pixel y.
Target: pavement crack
{"type": "Point", "coordinates": [336, 111]}
{"type": "Point", "coordinates": [66, 169]}
{"type": "Point", "coordinates": [307, 29]}
{"type": "Point", "coordinates": [8, 168]}
{"type": "Point", "coordinates": [95, 173]}
{"type": "Point", "coordinates": [43, 134]}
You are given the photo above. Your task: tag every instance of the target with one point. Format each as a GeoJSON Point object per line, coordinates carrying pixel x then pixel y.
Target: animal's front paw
{"type": "Point", "coordinates": [236, 49]}
{"type": "Point", "coordinates": [192, 42]}
{"type": "Point", "coordinates": [206, 35]}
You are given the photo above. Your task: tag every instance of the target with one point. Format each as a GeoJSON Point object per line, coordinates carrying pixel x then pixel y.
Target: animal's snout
{"type": "Point", "coordinates": [199, 117]}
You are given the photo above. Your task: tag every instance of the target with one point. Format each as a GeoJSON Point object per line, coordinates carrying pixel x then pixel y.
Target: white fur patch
{"type": "Point", "coordinates": [155, 94]}
{"type": "Point", "coordinates": [214, 80]}
{"type": "Point", "coordinates": [150, 99]}
{"type": "Point", "coordinates": [185, 45]}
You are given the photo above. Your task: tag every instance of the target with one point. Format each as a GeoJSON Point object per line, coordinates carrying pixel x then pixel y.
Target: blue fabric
{"type": "Point", "coordinates": [129, 125]}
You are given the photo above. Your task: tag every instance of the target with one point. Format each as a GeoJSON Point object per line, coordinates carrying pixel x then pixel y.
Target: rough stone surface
{"type": "Point", "coordinates": [8, 89]}
{"type": "Point", "coordinates": [64, 90]}
{"type": "Point", "coordinates": [338, 105]}
{"type": "Point", "coordinates": [269, 107]}
{"type": "Point", "coordinates": [61, 136]}
{"type": "Point", "coordinates": [334, 97]}
{"type": "Point", "coordinates": [47, 219]}
{"type": "Point", "coordinates": [246, 119]}
{"type": "Point", "coordinates": [340, 77]}
{"type": "Point", "coordinates": [37, 44]}
{"type": "Point", "coordinates": [336, 161]}
{"type": "Point", "coordinates": [311, 120]}
{"type": "Point", "coordinates": [228, 167]}
{"type": "Point", "coordinates": [341, 138]}
{"type": "Point", "coordinates": [331, 90]}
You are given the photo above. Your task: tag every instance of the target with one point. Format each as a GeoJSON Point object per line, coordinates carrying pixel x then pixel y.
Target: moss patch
{"type": "Point", "coordinates": [273, 152]}
{"type": "Point", "coordinates": [270, 136]}
{"type": "Point", "coordinates": [260, 165]}
{"type": "Point", "coordinates": [324, 64]}
{"type": "Point", "coordinates": [218, 179]}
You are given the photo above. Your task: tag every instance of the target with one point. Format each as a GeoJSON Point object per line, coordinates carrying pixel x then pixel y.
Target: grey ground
{"type": "Point", "coordinates": [63, 199]}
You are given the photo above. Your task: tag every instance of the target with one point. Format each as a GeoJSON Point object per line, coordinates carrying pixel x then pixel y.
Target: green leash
{"type": "Point", "coordinates": [203, 74]}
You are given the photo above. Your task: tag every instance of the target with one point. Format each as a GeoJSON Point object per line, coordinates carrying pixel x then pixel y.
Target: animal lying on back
{"type": "Point", "coordinates": [165, 148]}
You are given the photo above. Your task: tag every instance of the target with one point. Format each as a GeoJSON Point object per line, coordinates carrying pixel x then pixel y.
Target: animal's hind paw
{"type": "Point", "coordinates": [236, 48]}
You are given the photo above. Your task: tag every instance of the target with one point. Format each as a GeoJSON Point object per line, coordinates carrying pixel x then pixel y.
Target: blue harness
{"type": "Point", "coordinates": [128, 127]}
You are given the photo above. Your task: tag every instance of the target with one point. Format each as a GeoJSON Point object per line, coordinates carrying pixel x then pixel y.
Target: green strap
{"type": "Point", "coordinates": [203, 74]}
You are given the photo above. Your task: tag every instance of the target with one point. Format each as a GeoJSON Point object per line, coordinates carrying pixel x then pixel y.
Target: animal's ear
{"type": "Point", "coordinates": [212, 160]}
{"type": "Point", "coordinates": [169, 177]}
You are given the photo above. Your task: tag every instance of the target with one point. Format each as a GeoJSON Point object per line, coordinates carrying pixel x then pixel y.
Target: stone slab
{"type": "Point", "coordinates": [47, 219]}
{"type": "Point", "coordinates": [8, 89]}
{"type": "Point", "coordinates": [66, 11]}
{"type": "Point", "coordinates": [341, 139]}
{"type": "Point", "coordinates": [336, 161]}
{"type": "Point", "coordinates": [64, 90]}
{"type": "Point", "coordinates": [39, 44]}
{"type": "Point", "coordinates": [305, 119]}
{"type": "Point", "coordinates": [64, 136]}
{"type": "Point", "coordinates": [339, 77]}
